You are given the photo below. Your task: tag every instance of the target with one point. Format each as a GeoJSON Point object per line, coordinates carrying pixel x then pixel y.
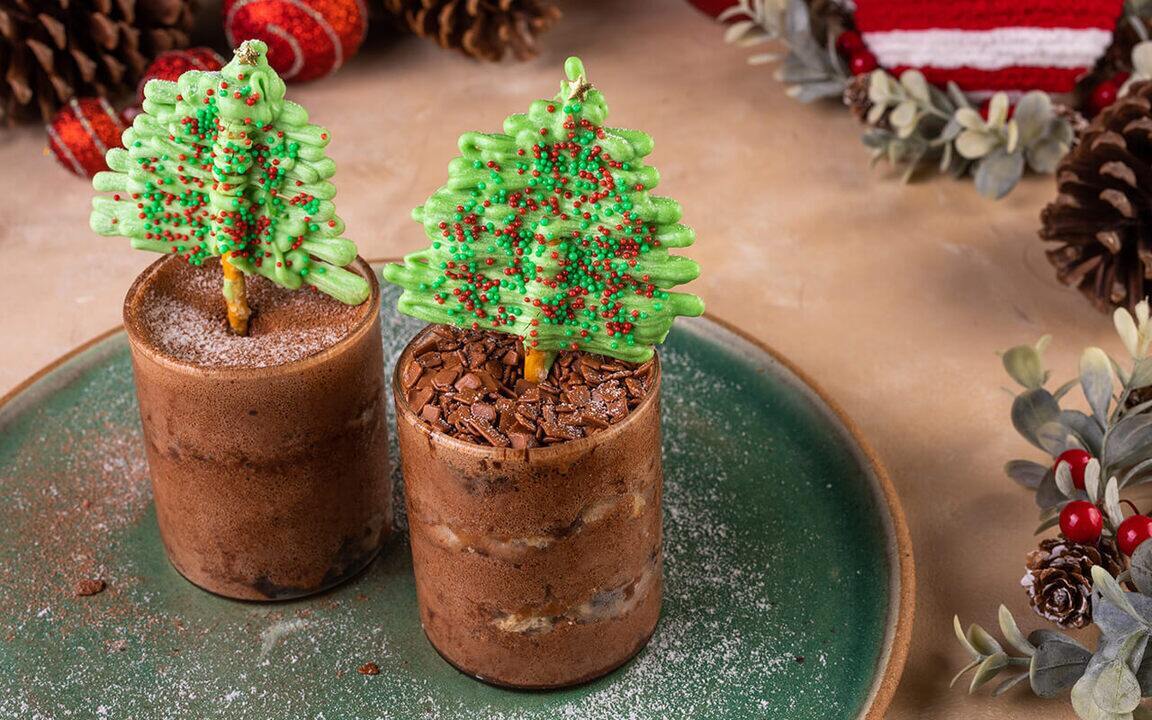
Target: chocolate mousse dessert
{"type": "Point", "coordinates": [528, 413]}
{"type": "Point", "coordinates": [255, 344]}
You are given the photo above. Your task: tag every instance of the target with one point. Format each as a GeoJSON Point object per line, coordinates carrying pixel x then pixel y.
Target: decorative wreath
{"type": "Point", "coordinates": [987, 88]}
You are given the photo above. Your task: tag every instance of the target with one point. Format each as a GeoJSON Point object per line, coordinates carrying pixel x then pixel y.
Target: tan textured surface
{"type": "Point", "coordinates": [894, 298]}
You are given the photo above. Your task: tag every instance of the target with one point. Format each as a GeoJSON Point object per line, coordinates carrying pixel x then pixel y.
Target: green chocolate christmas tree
{"type": "Point", "coordinates": [549, 230]}
{"type": "Point", "coordinates": [220, 164]}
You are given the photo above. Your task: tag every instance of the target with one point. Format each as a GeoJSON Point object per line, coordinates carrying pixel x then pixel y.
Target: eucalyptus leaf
{"type": "Point", "coordinates": [1064, 479]}
{"type": "Point", "coordinates": [1056, 666]}
{"type": "Point", "coordinates": [1141, 374]}
{"type": "Point", "coordinates": [1112, 502]}
{"type": "Point", "coordinates": [998, 172]}
{"type": "Point", "coordinates": [963, 638]}
{"type": "Point", "coordinates": [1025, 365]}
{"type": "Point", "coordinates": [1140, 568]}
{"type": "Point", "coordinates": [975, 144]}
{"type": "Point", "coordinates": [966, 668]}
{"type": "Point", "coordinates": [1096, 382]}
{"type": "Point", "coordinates": [917, 87]}
{"type": "Point", "coordinates": [984, 643]}
{"type": "Point", "coordinates": [1047, 524]}
{"type": "Point", "coordinates": [1087, 431]}
{"type": "Point", "coordinates": [1026, 473]}
{"type": "Point", "coordinates": [1092, 480]}
{"type": "Point", "coordinates": [1048, 495]}
{"type": "Point", "coordinates": [1044, 155]}
{"type": "Point", "coordinates": [1055, 437]}
{"type": "Point", "coordinates": [1012, 632]}
{"type": "Point", "coordinates": [1128, 442]}
{"type": "Point", "coordinates": [1106, 585]}
{"type": "Point", "coordinates": [1031, 409]}
{"type": "Point", "coordinates": [1010, 683]}
{"type": "Point", "coordinates": [1032, 113]}
{"type": "Point", "coordinates": [988, 669]}
{"type": "Point", "coordinates": [1117, 690]}
{"type": "Point", "coordinates": [1139, 473]}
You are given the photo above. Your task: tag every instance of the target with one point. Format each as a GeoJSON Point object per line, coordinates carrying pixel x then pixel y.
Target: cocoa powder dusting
{"type": "Point", "coordinates": [469, 385]}
{"type": "Point", "coordinates": [182, 313]}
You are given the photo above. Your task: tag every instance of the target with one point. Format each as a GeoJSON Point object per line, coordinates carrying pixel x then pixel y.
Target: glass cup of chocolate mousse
{"type": "Point", "coordinates": [533, 508]}
{"type": "Point", "coordinates": [528, 414]}
{"type": "Point", "coordinates": [268, 453]}
{"type": "Point", "coordinates": [256, 343]}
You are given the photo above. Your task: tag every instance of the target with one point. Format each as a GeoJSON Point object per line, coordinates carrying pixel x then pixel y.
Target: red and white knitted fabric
{"type": "Point", "coordinates": [989, 45]}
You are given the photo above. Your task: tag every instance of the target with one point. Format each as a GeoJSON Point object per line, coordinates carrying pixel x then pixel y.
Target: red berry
{"type": "Point", "coordinates": [849, 42]}
{"type": "Point", "coordinates": [1132, 532]}
{"type": "Point", "coordinates": [862, 62]}
{"type": "Point", "coordinates": [1081, 522]}
{"type": "Point", "coordinates": [1104, 94]}
{"type": "Point", "coordinates": [1077, 460]}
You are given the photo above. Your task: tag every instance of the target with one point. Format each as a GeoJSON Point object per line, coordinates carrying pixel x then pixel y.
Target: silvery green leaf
{"type": "Point", "coordinates": [975, 144]}
{"type": "Point", "coordinates": [1048, 495]}
{"type": "Point", "coordinates": [1013, 141]}
{"type": "Point", "coordinates": [998, 109]}
{"type": "Point", "coordinates": [969, 119]}
{"type": "Point", "coordinates": [807, 92]}
{"type": "Point", "coordinates": [1106, 585]}
{"type": "Point", "coordinates": [798, 31]}
{"type": "Point", "coordinates": [875, 113]}
{"type": "Point", "coordinates": [1012, 633]}
{"type": "Point", "coordinates": [1140, 568]}
{"type": "Point", "coordinates": [1141, 374]}
{"type": "Point", "coordinates": [1030, 410]}
{"type": "Point", "coordinates": [753, 38]}
{"type": "Point", "coordinates": [917, 87]}
{"type": "Point", "coordinates": [1126, 329]}
{"type": "Point", "coordinates": [1025, 472]}
{"type": "Point", "coordinates": [1142, 58]}
{"type": "Point", "coordinates": [963, 638]}
{"type": "Point", "coordinates": [792, 70]}
{"type": "Point", "coordinates": [1064, 479]}
{"type": "Point", "coordinates": [1092, 479]}
{"type": "Point", "coordinates": [1114, 622]}
{"type": "Point", "coordinates": [1032, 113]}
{"type": "Point", "coordinates": [731, 12]}
{"type": "Point", "coordinates": [1010, 683]}
{"type": "Point", "coordinates": [951, 130]}
{"type": "Point", "coordinates": [737, 30]}
{"type": "Point", "coordinates": [957, 95]}
{"type": "Point", "coordinates": [1128, 442]}
{"type": "Point", "coordinates": [1117, 690]}
{"type": "Point", "coordinates": [1087, 431]}
{"type": "Point", "coordinates": [998, 172]}
{"type": "Point", "coordinates": [987, 670]}
{"type": "Point", "coordinates": [1055, 438]}
{"type": "Point", "coordinates": [1082, 702]}
{"type": "Point", "coordinates": [1056, 666]}
{"type": "Point", "coordinates": [1044, 155]}
{"type": "Point", "coordinates": [880, 90]}
{"type": "Point", "coordinates": [980, 639]}
{"type": "Point", "coordinates": [1096, 382]}
{"type": "Point", "coordinates": [966, 668]}
{"type": "Point", "coordinates": [1112, 501]}
{"type": "Point", "coordinates": [1025, 365]}
{"type": "Point", "coordinates": [1138, 474]}
{"type": "Point", "coordinates": [1063, 389]}
{"type": "Point", "coordinates": [1047, 524]}
{"type": "Point", "coordinates": [946, 157]}
{"type": "Point", "coordinates": [763, 58]}
{"type": "Point", "coordinates": [904, 114]}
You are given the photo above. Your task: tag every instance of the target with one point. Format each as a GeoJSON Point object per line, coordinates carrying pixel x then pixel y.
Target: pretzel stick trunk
{"type": "Point", "coordinates": [537, 363]}
{"type": "Point", "coordinates": [235, 295]}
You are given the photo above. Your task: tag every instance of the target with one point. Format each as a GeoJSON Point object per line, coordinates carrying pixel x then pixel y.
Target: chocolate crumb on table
{"type": "Point", "coordinates": [89, 586]}
{"type": "Point", "coordinates": [468, 384]}
{"type": "Point", "coordinates": [369, 669]}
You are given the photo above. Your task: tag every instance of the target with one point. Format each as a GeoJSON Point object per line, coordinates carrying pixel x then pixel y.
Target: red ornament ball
{"type": "Point", "coordinates": [849, 43]}
{"type": "Point", "coordinates": [307, 39]}
{"type": "Point", "coordinates": [1106, 93]}
{"type": "Point", "coordinates": [713, 7]}
{"type": "Point", "coordinates": [1076, 458]}
{"type": "Point", "coordinates": [1081, 522]}
{"type": "Point", "coordinates": [1133, 532]}
{"type": "Point", "coordinates": [862, 62]}
{"type": "Point", "coordinates": [81, 133]}
{"type": "Point", "coordinates": [174, 63]}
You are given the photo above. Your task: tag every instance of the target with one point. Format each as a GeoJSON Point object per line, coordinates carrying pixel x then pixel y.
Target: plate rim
{"type": "Point", "coordinates": [902, 591]}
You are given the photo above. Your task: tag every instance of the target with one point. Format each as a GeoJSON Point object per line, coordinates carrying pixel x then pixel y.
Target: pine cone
{"type": "Point", "coordinates": [1100, 218]}
{"type": "Point", "coordinates": [54, 50]}
{"type": "Point", "coordinates": [1059, 578]}
{"type": "Point", "coordinates": [483, 29]}
{"type": "Point", "coordinates": [856, 96]}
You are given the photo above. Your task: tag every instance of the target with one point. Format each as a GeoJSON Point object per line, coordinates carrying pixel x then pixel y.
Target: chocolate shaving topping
{"type": "Point", "coordinates": [468, 384]}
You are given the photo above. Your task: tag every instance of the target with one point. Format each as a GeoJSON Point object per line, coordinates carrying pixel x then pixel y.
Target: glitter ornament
{"type": "Point", "coordinates": [81, 132]}
{"type": "Point", "coordinates": [174, 63]}
{"type": "Point", "coordinates": [990, 45]}
{"type": "Point", "coordinates": [306, 39]}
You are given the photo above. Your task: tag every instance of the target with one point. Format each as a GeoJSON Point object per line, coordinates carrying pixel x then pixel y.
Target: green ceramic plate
{"type": "Point", "coordinates": [788, 577]}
